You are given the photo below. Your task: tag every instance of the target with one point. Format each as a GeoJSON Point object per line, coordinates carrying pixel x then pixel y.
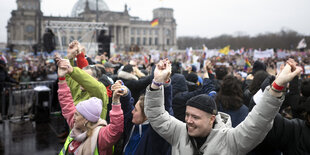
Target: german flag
{"type": "Point", "coordinates": [154, 22]}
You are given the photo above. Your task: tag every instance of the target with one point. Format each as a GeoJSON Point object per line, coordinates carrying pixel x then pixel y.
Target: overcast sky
{"type": "Point", "coordinates": [204, 18]}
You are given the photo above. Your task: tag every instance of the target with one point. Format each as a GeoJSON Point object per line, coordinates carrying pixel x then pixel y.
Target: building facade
{"type": "Point", "coordinates": [27, 24]}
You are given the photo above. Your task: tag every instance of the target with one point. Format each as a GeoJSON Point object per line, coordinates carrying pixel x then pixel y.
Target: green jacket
{"type": "Point", "coordinates": [93, 88]}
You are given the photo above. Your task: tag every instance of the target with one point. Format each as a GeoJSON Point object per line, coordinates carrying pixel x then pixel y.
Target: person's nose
{"type": "Point", "coordinates": [189, 120]}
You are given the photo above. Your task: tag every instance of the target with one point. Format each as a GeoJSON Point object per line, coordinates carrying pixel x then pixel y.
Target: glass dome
{"type": "Point", "coordinates": [80, 5]}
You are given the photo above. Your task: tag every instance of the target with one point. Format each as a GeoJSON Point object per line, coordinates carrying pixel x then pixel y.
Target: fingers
{"type": "Point", "coordinates": [297, 71]}
{"type": "Point", "coordinates": [292, 63]}
{"type": "Point", "coordinates": [118, 84]}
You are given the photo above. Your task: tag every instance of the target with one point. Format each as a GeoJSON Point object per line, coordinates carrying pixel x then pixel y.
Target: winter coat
{"type": "Point", "coordinates": [288, 136]}
{"type": "Point", "coordinates": [4, 77]}
{"type": "Point", "coordinates": [223, 139]}
{"type": "Point", "coordinates": [181, 95]}
{"type": "Point", "coordinates": [135, 85]}
{"type": "Point", "coordinates": [108, 135]}
{"type": "Point", "coordinates": [93, 88]}
{"type": "Point", "coordinates": [142, 139]}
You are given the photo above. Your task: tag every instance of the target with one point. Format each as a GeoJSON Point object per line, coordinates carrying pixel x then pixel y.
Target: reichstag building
{"type": "Point", "coordinates": [27, 26]}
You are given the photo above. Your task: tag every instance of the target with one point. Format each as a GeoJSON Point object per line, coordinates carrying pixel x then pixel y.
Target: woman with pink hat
{"type": "Point", "coordinates": [89, 133]}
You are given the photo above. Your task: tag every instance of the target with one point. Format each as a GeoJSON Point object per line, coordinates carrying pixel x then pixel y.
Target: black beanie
{"type": "Point", "coordinates": [203, 102]}
{"type": "Point", "coordinates": [128, 68]}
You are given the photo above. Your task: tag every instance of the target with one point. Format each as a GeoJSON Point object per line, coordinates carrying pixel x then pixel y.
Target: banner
{"type": "Point", "coordinates": [263, 54]}
{"type": "Point", "coordinates": [307, 69]}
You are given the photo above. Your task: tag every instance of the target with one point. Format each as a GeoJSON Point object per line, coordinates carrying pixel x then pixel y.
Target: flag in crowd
{"type": "Point", "coordinates": [247, 64]}
{"type": "Point", "coordinates": [302, 44]}
{"type": "Point", "coordinates": [225, 50]}
{"type": "Point", "coordinates": [146, 59]}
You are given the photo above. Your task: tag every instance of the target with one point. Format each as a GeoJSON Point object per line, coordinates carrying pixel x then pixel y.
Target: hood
{"type": "Point", "coordinates": [222, 119]}
{"type": "Point", "coordinates": [178, 83]}
{"type": "Point", "coordinates": [126, 75]}
{"type": "Point", "coordinates": [257, 66]}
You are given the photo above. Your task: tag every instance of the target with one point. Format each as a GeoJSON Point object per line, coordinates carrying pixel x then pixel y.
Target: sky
{"type": "Point", "coordinates": [203, 18]}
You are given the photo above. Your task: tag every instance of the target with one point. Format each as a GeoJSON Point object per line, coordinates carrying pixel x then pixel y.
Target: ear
{"type": "Point", "coordinates": [212, 119]}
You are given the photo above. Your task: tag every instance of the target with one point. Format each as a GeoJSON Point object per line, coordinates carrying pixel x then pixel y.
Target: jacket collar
{"type": "Point", "coordinates": [127, 76]}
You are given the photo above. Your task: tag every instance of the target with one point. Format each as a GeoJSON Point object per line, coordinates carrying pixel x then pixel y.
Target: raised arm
{"type": "Point", "coordinates": [127, 103]}
{"type": "Point", "coordinates": [165, 125]}
{"type": "Point", "coordinates": [254, 128]}
{"type": "Point", "coordinates": [112, 132]}
{"type": "Point", "coordinates": [65, 98]}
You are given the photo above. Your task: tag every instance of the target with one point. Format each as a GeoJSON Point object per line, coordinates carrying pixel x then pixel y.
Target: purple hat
{"type": "Point", "coordinates": [90, 109]}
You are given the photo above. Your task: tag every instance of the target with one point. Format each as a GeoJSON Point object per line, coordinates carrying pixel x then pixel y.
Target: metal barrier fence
{"type": "Point", "coordinates": [19, 101]}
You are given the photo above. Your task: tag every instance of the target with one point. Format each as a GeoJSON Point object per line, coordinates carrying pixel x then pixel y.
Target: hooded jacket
{"type": "Point", "coordinates": [135, 85]}
{"type": "Point", "coordinates": [223, 139]}
{"type": "Point", "coordinates": [181, 94]}
{"type": "Point", "coordinates": [142, 139]}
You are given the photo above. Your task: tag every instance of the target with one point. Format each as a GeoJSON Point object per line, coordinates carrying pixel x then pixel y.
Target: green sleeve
{"type": "Point", "coordinates": [93, 87]}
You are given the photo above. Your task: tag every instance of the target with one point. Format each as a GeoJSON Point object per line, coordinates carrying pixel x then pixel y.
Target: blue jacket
{"type": "Point", "coordinates": [237, 116]}
{"type": "Point", "coordinates": [142, 139]}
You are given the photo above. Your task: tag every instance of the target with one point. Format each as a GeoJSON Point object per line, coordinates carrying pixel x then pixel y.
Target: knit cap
{"type": "Point", "coordinates": [90, 109]}
{"type": "Point", "coordinates": [203, 102]}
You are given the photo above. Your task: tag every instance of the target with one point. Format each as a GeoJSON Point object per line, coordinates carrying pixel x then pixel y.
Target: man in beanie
{"type": "Point", "coordinates": [207, 131]}
{"type": "Point", "coordinates": [89, 133]}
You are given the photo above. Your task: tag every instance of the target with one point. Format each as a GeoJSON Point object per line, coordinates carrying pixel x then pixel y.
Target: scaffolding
{"type": "Point", "coordinates": [89, 27]}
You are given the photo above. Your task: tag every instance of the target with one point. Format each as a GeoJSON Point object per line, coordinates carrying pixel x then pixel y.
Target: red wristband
{"type": "Point", "coordinates": [167, 81]}
{"type": "Point", "coordinates": [62, 78]}
{"type": "Point", "coordinates": [277, 87]}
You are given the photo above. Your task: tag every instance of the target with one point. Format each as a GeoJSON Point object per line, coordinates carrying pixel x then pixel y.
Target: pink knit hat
{"type": "Point", "coordinates": [90, 109]}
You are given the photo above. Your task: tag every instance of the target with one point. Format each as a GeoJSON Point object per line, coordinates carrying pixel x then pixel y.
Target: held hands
{"type": "Point", "coordinates": [64, 67]}
{"type": "Point", "coordinates": [208, 66]}
{"type": "Point", "coordinates": [162, 71]}
{"type": "Point", "coordinates": [288, 73]}
{"type": "Point", "coordinates": [73, 49]}
{"type": "Point", "coordinates": [119, 89]}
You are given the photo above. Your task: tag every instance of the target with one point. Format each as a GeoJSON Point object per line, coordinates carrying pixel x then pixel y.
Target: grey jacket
{"type": "Point", "coordinates": [223, 139]}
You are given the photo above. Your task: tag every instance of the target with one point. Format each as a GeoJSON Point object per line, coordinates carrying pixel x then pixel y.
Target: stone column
{"type": "Point", "coordinates": [121, 37]}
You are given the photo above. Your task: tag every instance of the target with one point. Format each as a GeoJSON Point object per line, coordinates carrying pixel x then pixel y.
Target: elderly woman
{"type": "Point", "coordinates": [89, 133]}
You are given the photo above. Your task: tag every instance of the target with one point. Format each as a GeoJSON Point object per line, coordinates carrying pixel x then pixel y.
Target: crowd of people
{"type": "Point", "coordinates": [176, 103]}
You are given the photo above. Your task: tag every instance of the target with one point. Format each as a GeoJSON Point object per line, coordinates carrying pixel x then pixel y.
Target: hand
{"type": "Point", "coordinates": [288, 73]}
{"type": "Point", "coordinates": [57, 57]}
{"type": "Point", "coordinates": [119, 89]}
{"type": "Point", "coordinates": [98, 59]}
{"type": "Point", "coordinates": [208, 65]}
{"type": "Point", "coordinates": [73, 49]}
{"type": "Point", "coordinates": [62, 71]}
{"type": "Point", "coordinates": [120, 85]}
{"type": "Point", "coordinates": [162, 71]}
{"type": "Point", "coordinates": [65, 64]}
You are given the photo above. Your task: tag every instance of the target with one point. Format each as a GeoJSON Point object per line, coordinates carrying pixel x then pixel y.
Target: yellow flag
{"type": "Point", "coordinates": [225, 50]}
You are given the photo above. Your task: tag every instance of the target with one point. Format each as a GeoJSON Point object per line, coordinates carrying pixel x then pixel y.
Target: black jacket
{"type": "Point", "coordinates": [181, 95]}
{"type": "Point", "coordinates": [135, 85]}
